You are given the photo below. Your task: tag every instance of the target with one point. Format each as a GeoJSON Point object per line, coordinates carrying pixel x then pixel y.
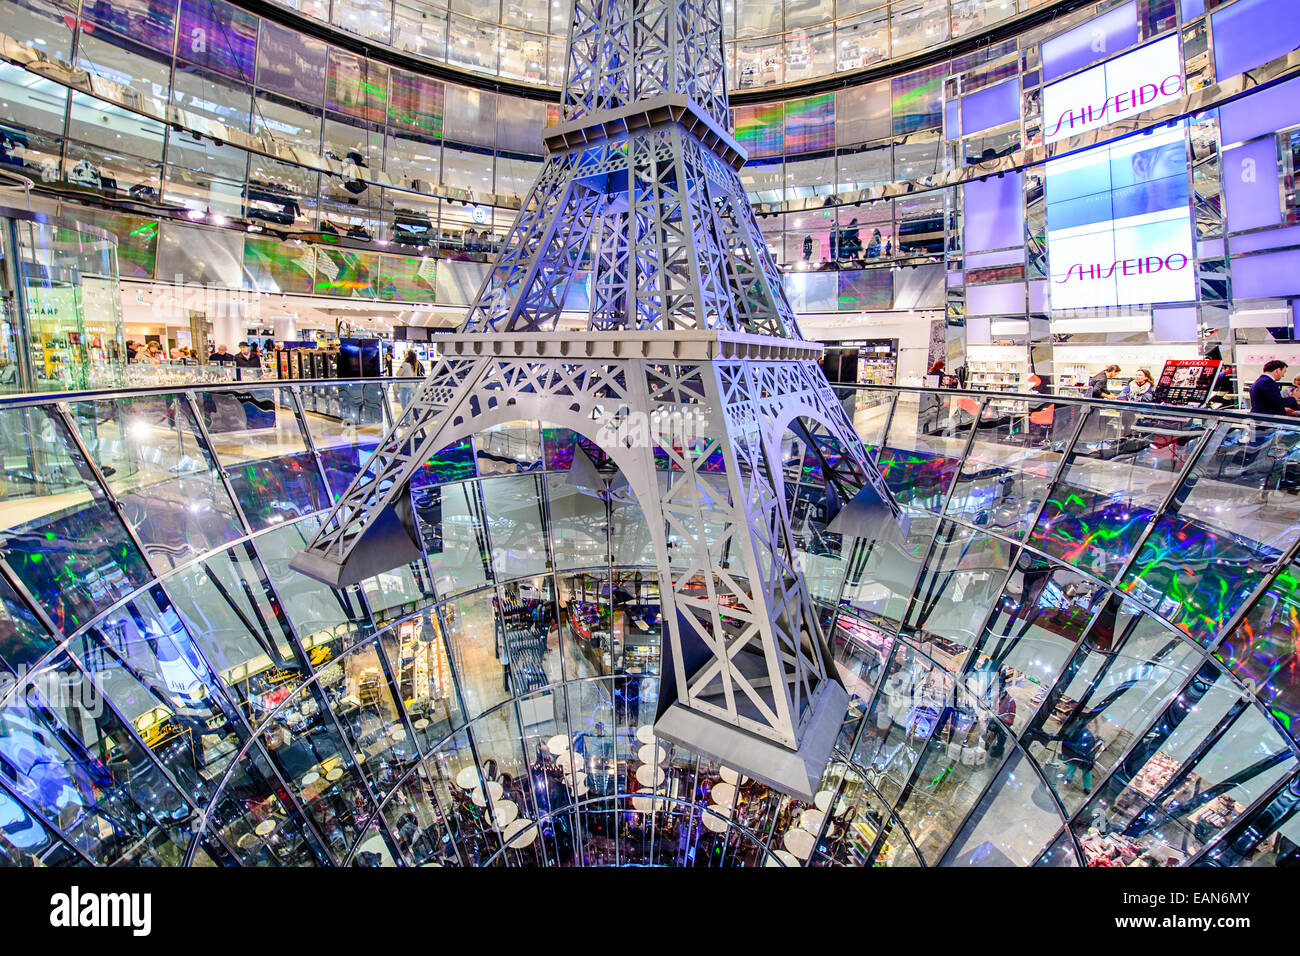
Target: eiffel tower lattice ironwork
{"type": "Point", "coordinates": [688, 375]}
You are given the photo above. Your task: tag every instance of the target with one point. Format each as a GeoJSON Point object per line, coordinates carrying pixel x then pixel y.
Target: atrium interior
{"type": "Point", "coordinates": [672, 433]}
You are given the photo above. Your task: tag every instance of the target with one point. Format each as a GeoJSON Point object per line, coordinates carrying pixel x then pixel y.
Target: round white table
{"type": "Point", "coordinates": [782, 858]}
{"type": "Point", "coordinates": [715, 818]}
{"type": "Point", "coordinates": [558, 744]}
{"type": "Point", "coordinates": [649, 775]}
{"type": "Point", "coordinates": [730, 776]}
{"type": "Point", "coordinates": [493, 788]}
{"type": "Point", "coordinates": [652, 753]}
{"type": "Point", "coordinates": [800, 843]}
{"type": "Point", "coordinates": [647, 803]}
{"type": "Point", "coordinates": [519, 833]}
{"type": "Point", "coordinates": [503, 812]}
{"type": "Point", "coordinates": [421, 724]}
{"type": "Point", "coordinates": [334, 774]}
{"type": "Point", "coordinates": [645, 734]}
{"type": "Point", "coordinates": [723, 794]}
{"type": "Point", "coordinates": [310, 777]}
{"type": "Point", "coordinates": [569, 760]}
{"type": "Point", "coordinates": [811, 820]}
{"type": "Point", "coordinates": [823, 799]}
{"type": "Point", "coordinates": [467, 779]}
{"type": "Point", "coordinates": [264, 828]}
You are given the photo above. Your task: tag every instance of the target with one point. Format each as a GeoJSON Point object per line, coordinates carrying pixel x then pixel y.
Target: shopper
{"type": "Point", "coordinates": [1141, 388]}
{"type": "Point", "coordinates": [246, 358]}
{"type": "Point", "coordinates": [411, 366]}
{"type": "Point", "coordinates": [1266, 396]}
{"type": "Point", "coordinates": [1079, 751]}
{"type": "Point", "coordinates": [150, 355]}
{"type": "Point", "coordinates": [1098, 383]}
{"type": "Point", "coordinates": [221, 356]}
{"type": "Point", "coordinates": [131, 350]}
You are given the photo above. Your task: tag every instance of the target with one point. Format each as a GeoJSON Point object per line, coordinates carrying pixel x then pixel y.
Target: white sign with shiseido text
{"type": "Point", "coordinates": [1125, 86]}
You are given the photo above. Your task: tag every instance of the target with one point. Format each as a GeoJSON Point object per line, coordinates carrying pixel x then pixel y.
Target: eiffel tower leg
{"type": "Point", "coordinates": [370, 529]}
{"type": "Point", "coordinates": [748, 678]}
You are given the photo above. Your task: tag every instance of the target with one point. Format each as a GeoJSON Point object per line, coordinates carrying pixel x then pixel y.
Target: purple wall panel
{"type": "Point", "coordinates": [1250, 185]}
{"type": "Point", "coordinates": [1275, 274]}
{"type": "Point", "coordinates": [993, 213]}
{"type": "Point", "coordinates": [991, 106]}
{"type": "Point", "coordinates": [1262, 112]}
{"type": "Point", "coordinates": [1095, 40]}
{"type": "Point", "coordinates": [1251, 32]}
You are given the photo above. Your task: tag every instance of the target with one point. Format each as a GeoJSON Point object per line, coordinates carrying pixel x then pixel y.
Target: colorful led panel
{"type": "Point", "coordinates": [759, 129]}
{"type": "Point", "coordinates": [865, 290]}
{"type": "Point", "coordinates": [917, 98]}
{"type": "Point", "coordinates": [415, 102]}
{"type": "Point", "coordinates": [810, 124]}
{"type": "Point", "coordinates": [344, 272]}
{"type": "Point", "coordinates": [356, 86]}
{"type": "Point", "coordinates": [273, 266]}
{"type": "Point", "coordinates": [407, 278]}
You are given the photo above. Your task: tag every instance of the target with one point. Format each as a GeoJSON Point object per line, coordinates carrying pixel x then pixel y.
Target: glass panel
{"type": "Point", "coordinates": [1226, 527]}
{"type": "Point", "coordinates": [1199, 767]}
{"type": "Point", "coordinates": [1015, 455]}
{"type": "Point", "coordinates": [23, 639]}
{"type": "Point", "coordinates": [262, 445]}
{"type": "Point", "coordinates": [455, 543]}
{"type": "Point", "coordinates": [1012, 825]}
{"type": "Point", "coordinates": [514, 515]}
{"type": "Point", "coordinates": [346, 423]}
{"type": "Point", "coordinates": [963, 575]}
{"type": "Point", "coordinates": [509, 448]}
{"type": "Point", "coordinates": [90, 777]}
{"type": "Point", "coordinates": [143, 660]}
{"type": "Point", "coordinates": [1108, 694]}
{"type": "Point", "coordinates": [417, 658]}
{"type": "Point", "coordinates": [156, 463]}
{"type": "Point", "coordinates": [1262, 649]}
{"type": "Point", "coordinates": [579, 523]}
{"type": "Point", "coordinates": [956, 768]}
{"type": "Point", "coordinates": [927, 435]}
{"type": "Point", "coordinates": [1060, 853]}
{"type": "Point", "coordinates": [1268, 837]}
{"type": "Point", "coordinates": [474, 641]}
{"type": "Point", "coordinates": [1122, 467]}
{"type": "Point", "coordinates": [26, 841]}
{"type": "Point", "coordinates": [61, 536]}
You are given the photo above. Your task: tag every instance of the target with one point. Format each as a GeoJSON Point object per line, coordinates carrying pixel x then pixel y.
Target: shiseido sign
{"type": "Point", "coordinates": [1123, 87]}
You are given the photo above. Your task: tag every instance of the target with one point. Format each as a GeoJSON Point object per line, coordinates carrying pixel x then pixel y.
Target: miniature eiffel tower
{"type": "Point", "coordinates": [690, 372]}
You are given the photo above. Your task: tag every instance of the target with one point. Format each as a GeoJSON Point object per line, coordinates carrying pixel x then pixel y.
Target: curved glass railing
{"type": "Point", "coordinates": [1082, 652]}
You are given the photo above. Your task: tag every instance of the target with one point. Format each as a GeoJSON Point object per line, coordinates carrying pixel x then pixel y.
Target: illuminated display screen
{"type": "Point", "coordinates": [868, 289]}
{"type": "Point", "coordinates": [918, 99]}
{"type": "Point", "coordinates": [1125, 86]}
{"type": "Point", "coordinates": [218, 36]}
{"type": "Point", "coordinates": [810, 124]}
{"type": "Point", "coordinates": [1119, 227]}
{"type": "Point", "coordinates": [345, 273]}
{"type": "Point", "coordinates": [356, 86]}
{"type": "Point", "coordinates": [274, 266]}
{"type": "Point", "coordinates": [406, 278]}
{"type": "Point", "coordinates": [759, 129]}
{"type": "Point", "coordinates": [416, 103]}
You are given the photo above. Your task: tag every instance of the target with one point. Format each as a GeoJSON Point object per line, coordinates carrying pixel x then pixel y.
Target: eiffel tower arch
{"type": "Point", "coordinates": [689, 372]}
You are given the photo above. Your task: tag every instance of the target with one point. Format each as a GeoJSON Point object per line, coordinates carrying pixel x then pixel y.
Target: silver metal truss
{"type": "Point", "coordinates": [689, 373]}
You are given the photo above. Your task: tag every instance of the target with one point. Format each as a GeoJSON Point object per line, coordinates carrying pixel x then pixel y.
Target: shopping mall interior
{"type": "Point", "coordinates": [671, 433]}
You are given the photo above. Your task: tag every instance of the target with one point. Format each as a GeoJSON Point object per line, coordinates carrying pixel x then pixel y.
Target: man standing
{"type": "Point", "coordinates": [246, 360]}
{"type": "Point", "coordinates": [1266, 395]}
{"type": "Point", "coordinates": [221, 356]}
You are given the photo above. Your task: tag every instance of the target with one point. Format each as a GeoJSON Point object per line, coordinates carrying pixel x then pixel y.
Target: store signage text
{"type": "Point", "coordinates": [1125, 101]}
{"type": "Point", "coordinates": [1145, 265]}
